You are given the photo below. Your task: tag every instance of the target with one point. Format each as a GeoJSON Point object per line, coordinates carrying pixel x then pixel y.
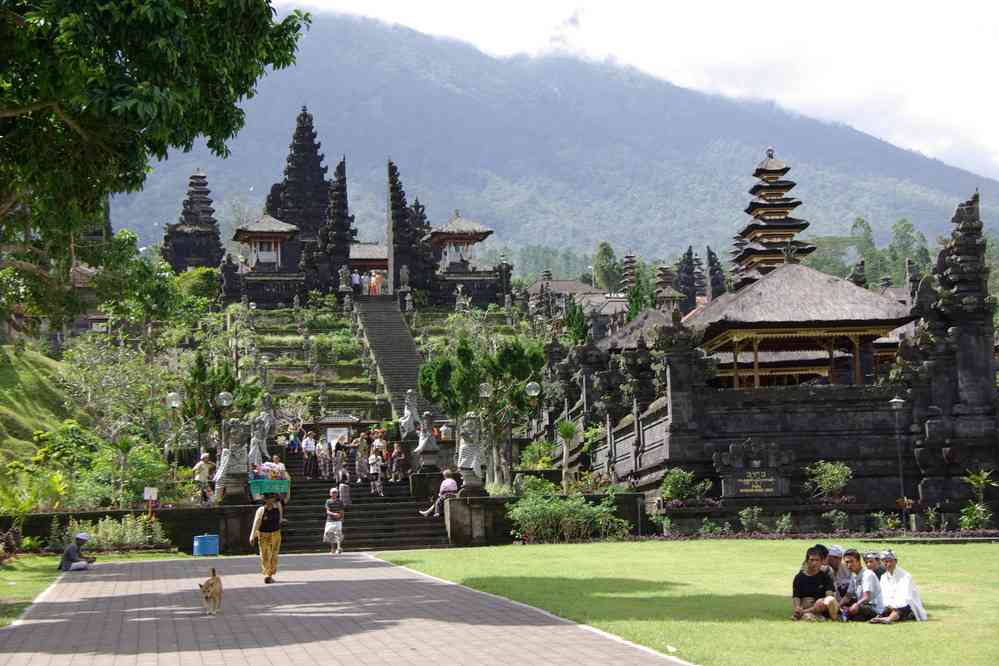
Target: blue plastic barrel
{"type": "Point", "coordinates": [206, 544]}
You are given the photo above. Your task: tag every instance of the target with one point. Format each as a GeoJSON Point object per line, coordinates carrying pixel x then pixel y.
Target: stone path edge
{"type": "Point", "coordinates": [40, 598]}
{"type": "Point", "coordinates": [558, 618]}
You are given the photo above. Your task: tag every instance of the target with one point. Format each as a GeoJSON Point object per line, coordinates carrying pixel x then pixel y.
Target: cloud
{"type": "Point", "coordinates": [914, 74]}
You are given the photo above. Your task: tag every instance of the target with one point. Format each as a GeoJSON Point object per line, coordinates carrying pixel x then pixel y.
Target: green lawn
{"type": "Point", "coordinates": [30, 399]}
{"type": "Point", "coordinates": [27, 576]}
{"type": "Point", "coordinates": [728, 602]}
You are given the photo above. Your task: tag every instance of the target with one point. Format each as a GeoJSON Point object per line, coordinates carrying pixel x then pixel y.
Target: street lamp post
{"type": "Point", "coordinates": [897, 404]}
{"type": "Point", "coordinates": [224, 400]}
{"type": "Point", "coordinates": [173, 402]}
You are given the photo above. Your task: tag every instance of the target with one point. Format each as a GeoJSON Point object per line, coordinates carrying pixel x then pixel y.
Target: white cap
{"type": "Point", "coordinates": [205, 456]}
{"type": "Point", "coordinates": [835, 551]}
{"type": "Point", "coordinates": [82, 536]}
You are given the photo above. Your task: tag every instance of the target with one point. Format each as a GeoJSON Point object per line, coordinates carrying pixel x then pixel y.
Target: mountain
{"type": "Point", "coordinates": [550, 150]}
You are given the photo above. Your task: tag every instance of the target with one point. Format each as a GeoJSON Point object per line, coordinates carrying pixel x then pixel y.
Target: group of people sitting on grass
{"type": "Point", "coordinates": [834, 584]}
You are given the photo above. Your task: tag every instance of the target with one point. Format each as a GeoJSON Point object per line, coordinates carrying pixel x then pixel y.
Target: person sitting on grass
{"type": "Point", "coordinates": [841, 575]}
{"type": "Point", "coordinates": [72, 558]}
{"type": "Point", "coordinates": [813, 591]}
{"type": "Point", "coordinates": [449, 488]}
{"type": "Point", "coordinates": [901, 598]}
{"type": "Point", "coordinates": [872, 559]}
{"type": "Point", "coordinates": [863, 602]}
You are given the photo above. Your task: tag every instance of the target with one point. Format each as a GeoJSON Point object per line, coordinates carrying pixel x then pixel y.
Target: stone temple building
{"type": "Point", "coordinates": [789, 367]}
{"type": "Point", "coordinates": [307, 238]}
{"type": "Point", "coordinates": [194, 240]}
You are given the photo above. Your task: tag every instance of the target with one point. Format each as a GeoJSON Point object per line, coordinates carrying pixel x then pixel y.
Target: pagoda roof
{"type": "Point", "coordinates": [266, 225]}
{"type": "Point", "coordinates": [763, 205]}
{"type": "Point", "coordinates": [797, 299]}
{"type": "Point", "coordinates": [771, 166]}
{"type": "Point", "coordinates": [786, 223]}
{"type": "Point", "coordinates": [772, 186]}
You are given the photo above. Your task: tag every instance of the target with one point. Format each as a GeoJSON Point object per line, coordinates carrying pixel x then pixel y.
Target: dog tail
{"type": "Point", "coordinates": [213, 572]}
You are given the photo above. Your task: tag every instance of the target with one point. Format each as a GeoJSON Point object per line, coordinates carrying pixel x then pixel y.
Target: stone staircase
{"type": "Point", "coordinates": [393, 347]}
{"type": "Point", "coordinates": [371, 522]}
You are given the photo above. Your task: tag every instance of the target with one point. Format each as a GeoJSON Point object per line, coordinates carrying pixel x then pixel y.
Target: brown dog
{"type": "Point", "coordinates": [211, 593]}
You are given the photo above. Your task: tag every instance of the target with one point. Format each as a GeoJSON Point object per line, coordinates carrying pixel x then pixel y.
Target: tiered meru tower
{"type": "Point", "coordinates": [767, 241]}
{"type": "Point", "coordinates": [194, 240]}
{"type": "Point", "coordinates": [303, 197]}
{"type": "Point", "coordinates": [338, 232]}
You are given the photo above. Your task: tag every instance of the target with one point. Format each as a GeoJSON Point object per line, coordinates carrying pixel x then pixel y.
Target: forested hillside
{"type": "Point", "coordinates": [550, 150]}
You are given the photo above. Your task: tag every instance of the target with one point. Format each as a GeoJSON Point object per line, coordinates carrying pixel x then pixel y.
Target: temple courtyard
{"type": "Point", "coordinates": [705, 602]}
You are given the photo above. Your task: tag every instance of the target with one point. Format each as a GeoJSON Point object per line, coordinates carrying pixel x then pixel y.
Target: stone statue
{"type": "Point", "coordinates": [344, 273]}
{"type": "Point", "coordinates": [427, 448]}
{"type": "Point", "coordinates": [404, 275]}
{"type": "Point", "coordinates": [470, 456]}
{"type": "Point", "coordinates": [409, 302]}
{"type": "Point", "coordinates": [230, 479]}
{"type": "Point", "coordinates": [407, 423]}
{"type": "Point", "coordinates": [296, 302]}
{"type": "Point", "coordinates": [263, 427]}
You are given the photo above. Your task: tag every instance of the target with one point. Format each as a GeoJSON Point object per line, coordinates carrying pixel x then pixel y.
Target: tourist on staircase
{"type": "Point", "coordinates": [361, 444]}
{"type": "Point", "coordinates": [310, 466]}
{"type": "Point", "coordinates": [400, 464]}
{"type": "Point", "coordinates": [344, 488]}
{"type": "Point", "coordinates": [366, 284]}
{"type": "Point", "coordinates": [333, 532]}
{"type": "Point", "coordinates": [324, 457]}
{"type": "Point", "coordinates": [375, 473]}
{"type": "Point", "coordinates": [355, 282]}
{"type": "Point", "coordinates": [294, 441]}
{"type": "Point", "coordinates": [448, 488]}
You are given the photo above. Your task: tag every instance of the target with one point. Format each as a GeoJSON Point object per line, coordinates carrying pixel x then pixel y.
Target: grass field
{"type": "Point", "coordinates": [27, 576]}
{"type": "Point", "coordinates": [728, 602]}
{"type": "Point", "coordinates": [30, 399]}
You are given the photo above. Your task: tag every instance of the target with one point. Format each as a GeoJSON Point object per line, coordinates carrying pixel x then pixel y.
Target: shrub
{"type": "Point", "coordinates": [30, 544]}
{"type": "Point", "coordinates": [839, 520]}
{"type": "Point", "coordinates": [784, 524]}
{"type": "Point", "coordinates": [679, 484]}
{"type": "Point", "coordinates": [827, 479]}
{"type": "Point", "coordinates": [711, 528]}
{"type": "Point", "coordinates": [933, 518]}
{"type": "Point", "coordinates": [541, 517]}
{"type": "Point", "coordinates": [886, 521]}
{"type": "Point", "coordinates": [535, 485]}
{"type": "Point", "coordinates": [499, 489]}
{"type": "Point", "coordinates": [751, 519]}
{"type": "Point", "coordinates": [132, 531]}
{"type": "Point", "coordinates": [539, 454]}
{"type": "Point", "coordinates": [664, 522]}
{"type": "Point", "coordinates": [975, 516]}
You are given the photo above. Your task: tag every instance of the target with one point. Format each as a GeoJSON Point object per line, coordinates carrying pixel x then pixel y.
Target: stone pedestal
{"type": "Point", "coordinates": [424, 484]}
{"type": "Point", "coordinates": [471, 484]}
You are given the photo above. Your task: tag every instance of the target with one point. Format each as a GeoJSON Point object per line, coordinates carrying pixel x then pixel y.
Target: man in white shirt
{"type": "Point", "coordinates": [864, 601]}
{"type": "Point", "coordinates": [901, 598]}
{"type": "Point", "coordinates": [203, 475]}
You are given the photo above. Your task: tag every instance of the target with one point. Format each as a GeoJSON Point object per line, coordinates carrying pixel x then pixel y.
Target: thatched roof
{"type": "Point", "coordinates": [266, 225]}
{"type": "Point", "coordinates": [644, 325]}
{"type": "Point", "coordinates": [795, 296]}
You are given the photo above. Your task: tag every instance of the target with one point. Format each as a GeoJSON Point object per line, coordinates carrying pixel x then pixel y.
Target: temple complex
{"type": "Point", "coordinates": [194, 240]}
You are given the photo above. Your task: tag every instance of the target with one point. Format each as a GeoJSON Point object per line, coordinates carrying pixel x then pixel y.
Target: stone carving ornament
{"type": "Point", "coordinates": [407, 423]}
{"type": "Point", "coordinates": [470, 453]}
{"type": "Point", "coordinates": [427, 447]}
{"type": "Point", "coordinates": [263, 426]}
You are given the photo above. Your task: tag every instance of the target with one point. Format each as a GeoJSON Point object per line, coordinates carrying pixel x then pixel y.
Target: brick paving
{"type": "Point", "coordinates": [352, 609]}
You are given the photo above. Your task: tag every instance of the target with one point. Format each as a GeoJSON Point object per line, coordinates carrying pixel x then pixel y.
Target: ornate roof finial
{"type": "Point", "coordinates": [770, 152]}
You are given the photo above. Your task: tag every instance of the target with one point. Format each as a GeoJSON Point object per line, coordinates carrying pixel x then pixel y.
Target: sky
{"type": "Point", "coordinates": [909, 73]}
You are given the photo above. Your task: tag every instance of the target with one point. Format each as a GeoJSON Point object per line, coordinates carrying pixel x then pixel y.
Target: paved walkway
{"type": "Point", "coordinates": [352, 609]}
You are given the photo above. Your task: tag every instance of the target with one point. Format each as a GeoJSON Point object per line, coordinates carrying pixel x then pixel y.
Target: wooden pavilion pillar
{"type": "Point", "coordinates": [858, 377]}
{"type": "Point", "coordinates": [756, 362]}
{"type": "Point", "coordinates": [831, 365]}
{"type": "Point", "coordinates": [735, 364]}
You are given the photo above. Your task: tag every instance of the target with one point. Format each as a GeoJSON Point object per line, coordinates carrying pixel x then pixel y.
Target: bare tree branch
{"type": "Point", "coordinates": [7, 203]}
{"type": "Point", "coordinates": [27, 268]}
{"type": "Point", "coordinates": [21, 110]}
{"type": "Point", "coordinates": [23, 247]}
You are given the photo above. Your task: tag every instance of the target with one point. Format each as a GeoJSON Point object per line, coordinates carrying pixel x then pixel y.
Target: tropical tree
{"type": "Point", "coordinates": [90, 93]}
{"type": "Point", "coordinates": [567, 433]}
{"type": "Point", "coordinates": [606, 267]}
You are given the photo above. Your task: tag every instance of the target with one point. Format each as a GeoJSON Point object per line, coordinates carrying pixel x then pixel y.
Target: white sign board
{"type": "Point", "coordinates": [150, 494]}
{"type": "Point", "coordinates": [333, 434]}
